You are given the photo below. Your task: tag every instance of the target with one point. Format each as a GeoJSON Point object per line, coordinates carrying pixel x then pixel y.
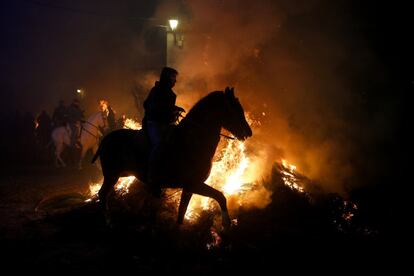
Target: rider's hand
{"type": "Point", "coordinates": [179, 109]}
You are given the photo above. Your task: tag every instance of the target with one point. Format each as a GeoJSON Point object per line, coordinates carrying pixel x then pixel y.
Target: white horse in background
{"type": "Point", "coordinates": [90, 132]}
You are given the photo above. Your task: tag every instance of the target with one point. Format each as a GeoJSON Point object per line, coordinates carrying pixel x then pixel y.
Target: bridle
{"type": "Point", "coordinates": [97, 127]}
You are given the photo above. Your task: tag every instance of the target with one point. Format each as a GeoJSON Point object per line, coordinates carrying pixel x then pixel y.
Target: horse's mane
{"type": "Point", "coordinates": [211, 100]}
{"type": "Point", "coordinates": [93, 115]}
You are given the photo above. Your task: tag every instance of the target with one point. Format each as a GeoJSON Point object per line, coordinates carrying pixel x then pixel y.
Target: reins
{"type": "Point", "coordinates": [97, 127]}
{"type": "Point", "coordinates": [202, 127]}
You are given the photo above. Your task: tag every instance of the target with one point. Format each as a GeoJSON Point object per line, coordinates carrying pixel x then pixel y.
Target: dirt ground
{"type": "Point", "coordinates": [46, 226]}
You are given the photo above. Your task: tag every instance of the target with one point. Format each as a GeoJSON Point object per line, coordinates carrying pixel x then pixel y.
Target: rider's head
{"type": "Point", "coordinates": [103, 105]}
{"type": "Point", "coordinates": [168, 76]}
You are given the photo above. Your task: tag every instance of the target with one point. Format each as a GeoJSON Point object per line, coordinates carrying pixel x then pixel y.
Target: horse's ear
{"type": "Point", "coordinates": [229, 92]}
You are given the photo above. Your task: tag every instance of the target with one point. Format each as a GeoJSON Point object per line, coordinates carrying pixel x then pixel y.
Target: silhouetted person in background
{"type": "Point", "coordinates": [160, 114]}
{"type": "Point", "coordinates": [121, 121]}
{"type": "Point", "coordinates": [75, 117]}
{"type": "Point", "coordinates": [111, 119]}
{"type": "Point", "coordinates": [60, 115]}
{"type": "Point", "coordinates": [109, 113]}
{"type": "Point", "coordinates": [44, 128]}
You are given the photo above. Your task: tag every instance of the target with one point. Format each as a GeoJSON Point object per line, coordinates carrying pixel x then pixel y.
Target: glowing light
{"type": "Point", "coordinates": [131, 124]}
{"type": "Point", "coordinates": [123, 184]}
{"type": "Point", "coordinates": [289, 177]}
{"type": "Point", "coordinates": [173, 24]}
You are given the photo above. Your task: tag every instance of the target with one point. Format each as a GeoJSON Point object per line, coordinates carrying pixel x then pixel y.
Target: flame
{"type": "Point", "coordinates": [227, 175]}
{"type": "Point", "coordinates": [233, 172]}
{"type": "Point", "coordinates": [131, 124]}
{"type": "Point", "coordinates": [289, 176]}
{"type": "Point", "coordinates": [123, 184]}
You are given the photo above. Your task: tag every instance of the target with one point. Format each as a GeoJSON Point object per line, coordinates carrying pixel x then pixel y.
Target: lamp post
{"type": "Point", "coordinates": [174, 42]}
{"type": "Point", "coordinates": [173, 24]}
{"type": "Point", "coordinates": [80, 93]}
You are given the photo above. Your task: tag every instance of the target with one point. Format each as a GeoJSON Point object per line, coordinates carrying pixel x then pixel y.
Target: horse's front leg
{"type": "Point", "coordinates": [82, 155]}
{"type": "Point", "coordinates": [97, 163]}
{"type": "Point", "coordinates": [182, 209]}
{"type": "Point", "coordinates": [208, 191]}
{"type": "Point", "coordinates": [58, 151]}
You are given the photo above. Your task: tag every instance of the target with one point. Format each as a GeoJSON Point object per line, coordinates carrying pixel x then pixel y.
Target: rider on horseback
{"type": "Point", "coordinates": [75, 116]}
{"type": "Point", "coordinates": [161, 114]}
{"type": "Point", "coordinates": [60, 115]}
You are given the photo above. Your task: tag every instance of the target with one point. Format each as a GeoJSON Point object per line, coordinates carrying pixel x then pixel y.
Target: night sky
{"type": "Point", "coordinates": [50, 48]}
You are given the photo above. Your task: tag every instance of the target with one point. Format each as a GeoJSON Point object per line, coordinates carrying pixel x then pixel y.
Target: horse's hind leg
{"type": "Point", "coordinates": [205, 190]}
{"type": "Point", "coordinates": [185, 199]}
{"type": "Point", "coordinates": [57, 164]}
{"type": "Point", "coordinates": [82, 155]}
{"type": "Point", "coordinates": [104, 193]}
{"type": "Point", "coordinates": [58, 159]}
{"type": "Point", "coordinates": [61, 161]}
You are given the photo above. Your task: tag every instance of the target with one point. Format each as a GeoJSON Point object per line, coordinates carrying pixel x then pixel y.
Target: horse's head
{"type": "Point", "coordinates": [103, 122]}
{"type": "Point", "coordinates": [97, 121]}
{"type": "Point", "coordinates": [234, 119]}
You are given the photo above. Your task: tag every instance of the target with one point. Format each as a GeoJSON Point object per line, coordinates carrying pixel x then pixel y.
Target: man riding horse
{"type": "Point", "coordinates": [184, 160]}
{"type": "Point", "coordinates": [161, 114]}
{"type": "Point", "coordinates": [60, 115]}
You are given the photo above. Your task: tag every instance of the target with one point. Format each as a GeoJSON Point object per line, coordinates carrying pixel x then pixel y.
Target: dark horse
{"type": "Point", "coordinates": [185, 160]}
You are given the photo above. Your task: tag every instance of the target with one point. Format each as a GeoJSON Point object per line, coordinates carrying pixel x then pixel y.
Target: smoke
{"type": "Point", "coordinates": [52, 49]}
{"type": "Point", "coordinates": [296, 66]}
{"type": "Point", "coordinates": [302, 68]}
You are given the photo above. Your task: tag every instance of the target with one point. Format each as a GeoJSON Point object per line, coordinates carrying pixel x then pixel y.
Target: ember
{"type": "Point", "coordinates": [289, 177]}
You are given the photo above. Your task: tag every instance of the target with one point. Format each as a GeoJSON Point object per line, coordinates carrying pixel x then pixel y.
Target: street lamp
{"type": "Point", "coordinates": [173, 24]}
{"type": "Point", "coordinates": [80, 92]}
{"type": "Point", "coordinates": [174, 40]}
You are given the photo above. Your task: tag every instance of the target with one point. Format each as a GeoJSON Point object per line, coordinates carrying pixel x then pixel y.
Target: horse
{"type": "Point", "coordinates": [184, 159]}
{"type": "Point", "coordinates": [90, 133]}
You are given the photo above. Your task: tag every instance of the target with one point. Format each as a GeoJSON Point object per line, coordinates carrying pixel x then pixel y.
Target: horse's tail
{"type": "Point", "coordinates": [98, 153]}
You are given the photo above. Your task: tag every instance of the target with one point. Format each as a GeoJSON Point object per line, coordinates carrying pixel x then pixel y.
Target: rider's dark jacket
{"type": "Point", "coordinates": [60, 115]}
{"type": "Point", "coordinates": [111, 119]}
{"type": "Point", "coordinates": [160, 104]}
{"type": "Point", "coordinates": [75, 114]}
